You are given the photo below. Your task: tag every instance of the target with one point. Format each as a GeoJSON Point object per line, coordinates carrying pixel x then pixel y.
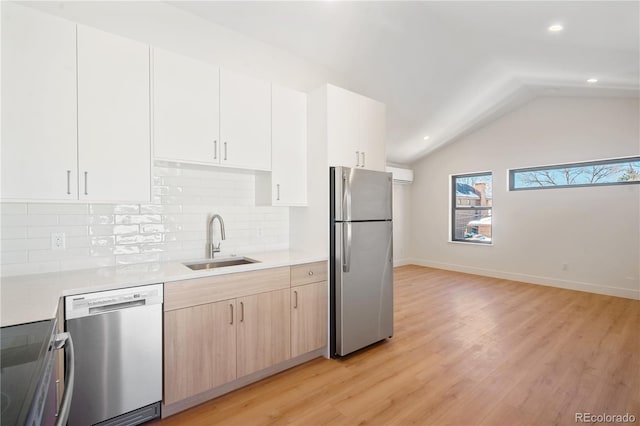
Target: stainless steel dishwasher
{"type": "Point", "coordinates": [117, 336]}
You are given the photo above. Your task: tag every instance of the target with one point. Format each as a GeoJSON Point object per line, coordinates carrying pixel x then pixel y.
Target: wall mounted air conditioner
{"type": "Point", "coordinates": [401, 175]}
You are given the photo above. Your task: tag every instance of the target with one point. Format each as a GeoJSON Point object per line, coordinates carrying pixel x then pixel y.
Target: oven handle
{"type": "Point", "coordinates": [63, 340]}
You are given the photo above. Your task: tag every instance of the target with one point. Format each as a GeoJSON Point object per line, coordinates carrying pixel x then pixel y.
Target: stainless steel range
{"type": "Point", "coordinates": [27, 374]}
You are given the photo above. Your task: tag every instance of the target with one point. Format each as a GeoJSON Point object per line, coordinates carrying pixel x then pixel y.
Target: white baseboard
{"type": "Point", "coordinates": [401, 262]}
{"type": "Point", "coordinates": [532, 279]}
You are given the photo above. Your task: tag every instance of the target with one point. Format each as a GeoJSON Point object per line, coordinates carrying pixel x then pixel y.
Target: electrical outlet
{"type": "Point", "coordinates": [260, 232]}
{"type": "Point", "coordinates": [58, 241]}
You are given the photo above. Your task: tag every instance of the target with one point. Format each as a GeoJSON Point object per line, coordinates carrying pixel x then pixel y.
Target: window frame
{"type": "Point", "coordinates": [512, 172]}
{"type": "Point", "coordinates": [454, 207]}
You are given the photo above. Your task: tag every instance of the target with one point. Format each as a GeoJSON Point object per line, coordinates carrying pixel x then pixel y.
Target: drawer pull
{"type": "Point", "coordinates": [310, 273]}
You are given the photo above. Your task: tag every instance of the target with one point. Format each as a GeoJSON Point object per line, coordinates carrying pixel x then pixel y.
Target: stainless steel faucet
{"type": "Point", "coordinates": [213, 248]}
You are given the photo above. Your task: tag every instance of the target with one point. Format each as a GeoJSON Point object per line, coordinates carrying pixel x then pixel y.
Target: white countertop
{"type": "Point", "coordinates": [29, 298]}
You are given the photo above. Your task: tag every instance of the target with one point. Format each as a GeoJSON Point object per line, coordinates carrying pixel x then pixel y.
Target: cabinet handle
{"type": "Point", "coordinates": [278, 192]}
{"type": "Point", "coordinates": [57, 397]}
{"type": "Point", "coordinates": [362, 158]}
{"type": "Point", "coordinates": [225, 151]}
{"type": "Point", "coordinates": [241, 312]}
{"type": "Point", "coordinates": [295, 300]}
{"type": "Point", "coordinates": [310, 273]}
{"type": "Point", "coordinates": [231, 310]}
{"type": "Point", "coordinates": [68, 182]}
{"type": "Point", "coordinates": [86, 179]}
{"type": "Point", "coordinates": [215, 149]}
{"type": "Point", "coordinates": [357, 158]}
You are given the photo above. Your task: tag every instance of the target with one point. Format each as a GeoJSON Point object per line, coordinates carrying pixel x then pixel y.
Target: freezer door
{"type": "Point", "coordinates": [363, 284]}
{"type": "Point", "coordinates": [361, 194]}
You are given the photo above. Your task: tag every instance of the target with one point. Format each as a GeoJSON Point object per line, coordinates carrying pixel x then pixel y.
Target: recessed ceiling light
{"type": "Point", "coordinates": [425, 138]}
{"type": "Point", "coordinates": [556, 28]}
{"type": "Point", "coordinates": [592, 80]}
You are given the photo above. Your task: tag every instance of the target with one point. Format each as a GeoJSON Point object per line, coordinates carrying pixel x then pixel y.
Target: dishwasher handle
{"type": "Point", "coordinates": [117, 306]}
{"type": "Point", "coordinates": [63, 340]}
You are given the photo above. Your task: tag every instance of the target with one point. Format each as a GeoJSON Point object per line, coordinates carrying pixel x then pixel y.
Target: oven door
{"type": "Point", "coordinates": [50, 412]}
{"type": "Point", "coordinates": [45, 405]}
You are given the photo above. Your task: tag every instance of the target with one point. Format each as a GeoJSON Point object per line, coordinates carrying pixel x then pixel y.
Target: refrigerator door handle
{"type": "Point", "coordinates": [346, 197]}
{"type": "Point", "coordinates": [346, 246]}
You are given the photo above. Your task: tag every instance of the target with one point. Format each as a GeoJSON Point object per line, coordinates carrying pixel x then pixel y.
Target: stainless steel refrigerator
{"type": "Point", "coordinates": [361, 266]}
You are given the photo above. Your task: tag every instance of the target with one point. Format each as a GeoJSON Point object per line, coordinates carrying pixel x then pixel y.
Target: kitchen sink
{"type": "Point", "coordinates": [220, 263]}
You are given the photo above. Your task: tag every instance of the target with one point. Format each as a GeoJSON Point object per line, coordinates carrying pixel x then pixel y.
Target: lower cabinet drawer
{"type": "Point", "coordinates": [308, 273]}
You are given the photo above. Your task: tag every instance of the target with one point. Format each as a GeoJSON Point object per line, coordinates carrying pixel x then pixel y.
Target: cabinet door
{"type": "Point", "coordinates": [113, 117]}
{"type": "Point", "coordinates": [186, 113]}
{"type": "Point", "coordinates": [39, 137]}
{"type": "Point", "coordinates": [343, 129]}
{"type": "Point", "coordinates": [245, 121]}
{"type": "Point", "coordinates": [372, 134]}
{"type": "Point", "coordinates": [199, 349]}
{"type": "Point", "coordinates": [308, 318]}
{"type": "Point", "coordinates": [288, 147]}
{"type": "Point", "coordinates": [264, 337]}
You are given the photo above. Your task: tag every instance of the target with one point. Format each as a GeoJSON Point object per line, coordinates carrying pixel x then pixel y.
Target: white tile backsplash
{"type": "Point", "coordinates": [9, 233]}
{"type": "Point", "coordinates": [45, 231]}
{"type": "Point", "coordinates": [59, 209]}
{"type": "Point", "coordinates": [13, 208]}
{"type": "Point", "coordinates": [172, 227]}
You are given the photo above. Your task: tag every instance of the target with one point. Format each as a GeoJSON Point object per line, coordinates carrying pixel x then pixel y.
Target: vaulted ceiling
{"type": "Point", "coordinates": [446, 68]}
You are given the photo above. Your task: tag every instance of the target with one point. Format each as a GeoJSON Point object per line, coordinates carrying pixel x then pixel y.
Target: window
{"type": "Point", "coordinates": [618, 171]}
{"type": "Point", "coordinates": [471, 203]}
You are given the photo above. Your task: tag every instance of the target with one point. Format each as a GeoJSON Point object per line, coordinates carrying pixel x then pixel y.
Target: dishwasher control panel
{"type": "Point", "coordinates": [82, 305]}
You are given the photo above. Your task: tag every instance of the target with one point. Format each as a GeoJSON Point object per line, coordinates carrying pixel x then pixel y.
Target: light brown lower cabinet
{"type": "Point", "coordinates": [218, 329]}
{"type": "Point", "coordinates": [199, 349]}
{"type": "Point", "coordinates": [208, 345]}
{"type": "Point", "coordinates": [308, 318]}
{"type": "Point", "coordinates": [263, 331]}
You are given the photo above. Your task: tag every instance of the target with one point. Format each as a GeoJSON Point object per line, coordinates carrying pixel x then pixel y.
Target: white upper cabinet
{"type": "Point", "coordinates": [355, 130]}
{"type": "Point", "coordinates": [209, 116]}
{"type": "Point", "coordinates": [343, 132]}
{"type": "Point", "coordinates": [245, 121]}
{"type": "Point", "coordinates": [75, 111]}
{"type": "Point", "coordinates": [186, 114]}
{"type": "Point", "coordinates": [38, 105]}
{"type": "Point", "coordinates": [114, 146]}
{"type": "Point", "coordinates": [372, 147]}
{"type": "Point", "coordinates": [286, 185]}
{"type": "Point", "coordinates": [288, 147]}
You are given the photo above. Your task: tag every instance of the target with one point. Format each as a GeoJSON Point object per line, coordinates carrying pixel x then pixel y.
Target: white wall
{"type": "Point", "coordinates": [401, 223]}
{"type": "Point", "coordinates": [594, 230]}
{"type": "Point", "coordinates": [172, 227]}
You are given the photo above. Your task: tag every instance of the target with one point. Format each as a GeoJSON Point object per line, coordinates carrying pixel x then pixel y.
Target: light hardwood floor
{"type": "Point", "coordinates": [467, 350]}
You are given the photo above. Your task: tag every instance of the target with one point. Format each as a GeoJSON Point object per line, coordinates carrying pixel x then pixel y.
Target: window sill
{"type": "Point", "coordinates": [466, 243]}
